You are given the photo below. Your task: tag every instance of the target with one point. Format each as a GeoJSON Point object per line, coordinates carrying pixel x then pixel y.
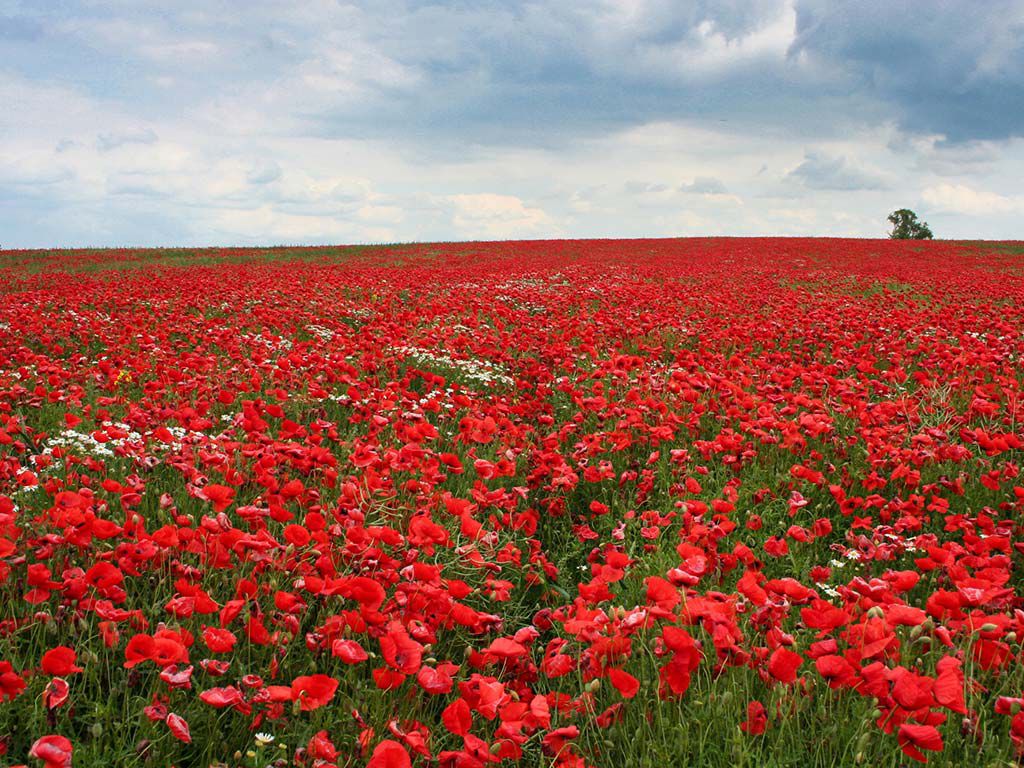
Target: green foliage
{"type": "Point", "coordinates": [905, 226]}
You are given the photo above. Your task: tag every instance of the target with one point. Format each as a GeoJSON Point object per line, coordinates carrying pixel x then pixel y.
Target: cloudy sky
{"type": "Point", "coordinates": [197, 122]}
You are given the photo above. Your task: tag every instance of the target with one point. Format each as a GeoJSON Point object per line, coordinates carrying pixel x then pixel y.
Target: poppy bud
{"type": "Point", "coordinates": [1011, 637]}
{"type": "Point", "coordinates": [495, 748]}
{"type": "Point", "coordinates": [876, 612]}
{"type": "Point", "coordinates": [96, 730]}
{"type": "Point", "coordinates": [988, 627]}
{"type": "Point", "coordinates": [594, 685]}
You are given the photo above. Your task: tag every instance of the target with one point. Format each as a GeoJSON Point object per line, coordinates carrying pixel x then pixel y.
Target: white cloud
{"type": "Point", "coordinates": [491, 216]}
{"type": "Point", "coordinates": [960, 198]}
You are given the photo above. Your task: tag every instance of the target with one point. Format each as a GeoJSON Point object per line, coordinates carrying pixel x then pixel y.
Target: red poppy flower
{"type": "Point", "coordinates": [54, 751]}
{"type": "Point", "coordinates": [757, 719]}
{"type": "Point", "coordinates": [399, 650]}
{"type": "Point", "coordinates": [914, 738]}
{"type": "Point", "coordinates": [457, 717]}
{"type": "Point", "coordinates": [11, 683]}
{"type": "Point", "coordinates": [783, 664]}
{"type": "Point", "coordinates": [219, 640]}
{"type": "Point", "coordinates": [389, 754]}
{"type": "Point", "coordinates": [349, 651]}
{"type": "Point", "coordinates": [624, 683]}
{"type": "Point", "coordinates": [313, 691]}
{"type": "Point", "coordinates": [56, 693]}
{"type": "Point", "coordinates": [220, 495]}
{"type": "Point", "coordinates": [59, 661]}
{"type": "Point", "coordinates": [320, 747]}
{"type": "Point", "coordinates": [179, 727]}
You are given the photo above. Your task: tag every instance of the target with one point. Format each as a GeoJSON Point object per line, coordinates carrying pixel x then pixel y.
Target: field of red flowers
{"type": "Point", "coordinates": [724, 502]}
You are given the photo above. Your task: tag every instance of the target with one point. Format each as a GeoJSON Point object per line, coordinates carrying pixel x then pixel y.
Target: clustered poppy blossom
{"type": "Point", "coordinates": [533, 503]}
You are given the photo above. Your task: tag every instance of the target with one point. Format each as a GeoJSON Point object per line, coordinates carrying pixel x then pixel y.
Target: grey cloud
{"type": "Point", "coordinates": [947, 67]}
{"type": "Point", "coordinates": [106, 142]}
{"type": "Point", "coordinates": [544, 72]}
{"type": "Point", "coordinates": [819, 171]}
{"type": "Point", "coordinates": [264, 172]}
{"type": "Point", "coordinates": [645, 187]}
{"type": "Point", "coordinates": [705, 185]}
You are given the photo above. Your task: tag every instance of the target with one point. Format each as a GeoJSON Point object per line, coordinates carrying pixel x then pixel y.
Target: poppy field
{"type": "Point", "coordinates": [717, 502]}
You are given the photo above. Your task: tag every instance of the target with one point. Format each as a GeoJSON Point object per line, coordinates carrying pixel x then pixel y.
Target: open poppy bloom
{"type": "Point", "coordinates": [54, 751]}
{"type": "Point", "coordinates": [389, 754]}
{"type": "Point", "coordinates": [313, 691]}
{"type": "Point", "coordinates": [59, 661]}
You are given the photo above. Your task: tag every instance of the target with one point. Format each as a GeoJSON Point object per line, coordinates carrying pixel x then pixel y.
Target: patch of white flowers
{"type": "Point", "coordinates": [282, 345]}
{"type": "Point", "coordinates": [480, 371]}
{"type": "Point", "coordinates": [318, 330]}
{"type": "Point", "coordinates": [83, 442]}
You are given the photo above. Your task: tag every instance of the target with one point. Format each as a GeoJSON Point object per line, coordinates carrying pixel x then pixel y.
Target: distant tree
{"type": "Point", "coordinates": [905, 226]}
